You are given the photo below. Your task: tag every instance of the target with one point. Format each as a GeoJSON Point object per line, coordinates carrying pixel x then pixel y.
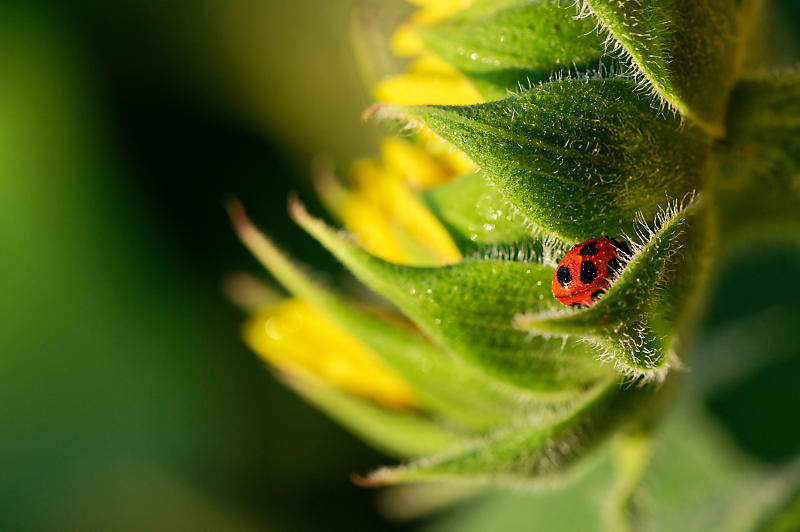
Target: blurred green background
{"type": "Point", "coordinates": [128, 401]}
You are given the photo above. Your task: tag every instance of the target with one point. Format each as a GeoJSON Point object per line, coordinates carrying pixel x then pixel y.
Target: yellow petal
{"type": "Point", "coordinates": [388, 191]}
{"type": "Point", "coordinates": [427, 89]}
{"type": "Point", "coordinates": [418, 168]}
{"type": "Point", "coordinates": [374, 230]}
{"type": "Point", "coordinates": [456, 161]}
{"type": "Point", "coordinates": [406, 42]}
{"type": "Point", "coordinates": [435, 10]}
{"type": "Point", "coordinates": [298, 340]}
{"type": "Point", "coordinates": [428, 63]}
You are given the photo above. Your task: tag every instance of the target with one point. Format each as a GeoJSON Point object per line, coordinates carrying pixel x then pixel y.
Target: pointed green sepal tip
{"type": "Point", "coordinates": [576, 158]}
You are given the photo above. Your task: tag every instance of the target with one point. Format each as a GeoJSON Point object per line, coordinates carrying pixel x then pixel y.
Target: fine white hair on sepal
{"type": "Point", "coordinates": [633, 69]}
{"type": "Point", "coordinates": [631, 377]}
{"type": "Point", "coordinates": [603, 70]}
{"type": "Point", "coordinates": [644, 231]}
{"type": "Point", "coordinates": [637, 340]}
{"type": "Point", "coordinates": [511, 251]}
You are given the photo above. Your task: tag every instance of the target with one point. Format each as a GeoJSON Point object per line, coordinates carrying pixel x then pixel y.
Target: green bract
{"type": "Point", "coordinates": [577, 158]}
{"type": "Point", "coordinates": [626, 119]}
{"type": "Point", "coordinates": [506, 46]}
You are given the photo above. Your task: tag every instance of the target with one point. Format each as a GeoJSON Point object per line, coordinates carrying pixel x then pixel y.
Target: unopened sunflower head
{"type": "Point", "coordinates": [528, 128]}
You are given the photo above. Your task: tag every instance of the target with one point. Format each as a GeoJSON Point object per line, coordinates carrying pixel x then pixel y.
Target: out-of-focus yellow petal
{"type": "Point", "coordinates": [406, 42]}
{"type": "Point", "coordinates": [427, 63]}
{"type": "Point", "coordinates": [375, 231]}
{"type": "Point", "coordinates": [446, 154]}
{"type": "Point", "coordinates": [417, 89]}
{"type": "Point", "coordinates": [387, 190]}
{"type": "Point", "coordinates": [422, 225]}
{"type": "Point", "coordinates": [435, 10]}
{"type": "Point", "coordinates": [381, 208]}
{"type": "Point", "coordinates": [296, 339]}
{"type": "Point", "coordinates": [428, 81]}
{"type": "Point", "coordinates": [413, 164]}
{"type": "Point", "coordinates": [364, 216]}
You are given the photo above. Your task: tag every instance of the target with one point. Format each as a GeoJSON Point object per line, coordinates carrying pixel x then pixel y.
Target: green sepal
{"type": "Point", "coordinates": [627, 322]}
{"type": "Point", "coordinates": [579, 159]}
{"type": "Point", "coordinates": [534, 452]}
{"type": "Point", "coordinates": [399, 433]}
{"type": "Point", "coordinates": [438, 379]}
{"type": "Point", "coordinates": [507, 45]}
{"type": "Point", "coordinates": [469, 308]}
{"type": "Point", "coordinates": [753, 186]}
{"type": "Point", "coordinates": [687, 52]}
{"type": "Point", "coordinates": [696, 482]}
{"type": "Point", "coordinates": [699, 481]}
{"type": "Point", "coordinates": [477, 216]}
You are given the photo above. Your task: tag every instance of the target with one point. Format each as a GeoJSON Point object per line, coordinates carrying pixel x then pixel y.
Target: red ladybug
{"type": "Point", "coordinates": [584, 273]}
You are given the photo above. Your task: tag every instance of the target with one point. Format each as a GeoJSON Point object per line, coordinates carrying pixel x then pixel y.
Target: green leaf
{"type": "Point", "coordinates": [699, 481]}
{"type": "Point", "coordinates": [754, 198]}
{"type": "Point", "coordinates": [564, 506]}
{"type": "Point", "coordinates": [766, 106]}
{"type": "Point", "coordinates": [396, 432]}
{"type": "Point", "coordinates": [503, 46]}
{"type": "Point", "coordinates": [696, 482]}
{"type": "Point", "coordinates": [754, 188]}
{"type": "Point", "coordinates": [519, 454]}
{"type": "Point", "coordinates": [469, 308]}
{"type": "Point", "coordinates": [686, 51]}
{"type": "Point", "coordinates": [438, 379]}
{"type": "Point", "coordinates": [477, 216]}
{"type": "Point", "coordinates": [627, 322]}
{"type": "Point", "coordinates": [580, 159]}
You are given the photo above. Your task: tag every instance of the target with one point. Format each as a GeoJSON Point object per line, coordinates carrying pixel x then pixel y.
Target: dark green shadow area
{"type": "Point", "coordinates": [748, 356]}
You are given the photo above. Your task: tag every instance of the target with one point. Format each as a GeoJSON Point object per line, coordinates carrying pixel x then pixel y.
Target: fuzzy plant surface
{"type": "Point", "coordinates": [520, 128]}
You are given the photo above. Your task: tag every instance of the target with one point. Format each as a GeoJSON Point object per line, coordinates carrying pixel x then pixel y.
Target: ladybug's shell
{"type": "Point", "coordinates": [586, 270]}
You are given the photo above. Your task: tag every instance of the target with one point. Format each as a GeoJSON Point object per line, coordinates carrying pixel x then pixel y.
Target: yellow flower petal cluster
{"type": "Point", "coordinates": [379, 204]}
{"type": "Point", "coordinates": [428, 80]}
{"type": "Point", "coordinates": [379, 207]}
{"type": "Point", "coordinates": [382, 210]}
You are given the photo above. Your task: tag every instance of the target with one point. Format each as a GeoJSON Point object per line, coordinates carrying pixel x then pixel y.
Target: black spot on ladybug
{"type": "Point", "coordinates": [588, 272]}
{"type": "Point", "coordinates": [597, 293]}
{"type": "Point", "coordinates": [577, 305]}
{"type": "Point", "coordinates": [563, 276]}
{"type": "Point", "coordinates": [589, 249]}
{"type": "Point", "coordinates": [613, 266]}
{"type": "Point", "coordinates": [621, 246]}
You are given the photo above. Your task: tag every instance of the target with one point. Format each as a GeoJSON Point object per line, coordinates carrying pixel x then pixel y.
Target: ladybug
{"type": "Point", "coordinates": [585, 272]}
